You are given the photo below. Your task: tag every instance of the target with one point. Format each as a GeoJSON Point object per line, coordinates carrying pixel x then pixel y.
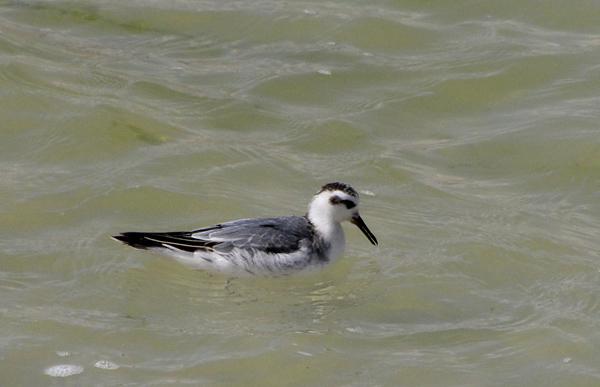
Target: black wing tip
{"type": "Point", "coordinates": [136, 239]}
{"type": "Point", "coordinates": [170, 240]}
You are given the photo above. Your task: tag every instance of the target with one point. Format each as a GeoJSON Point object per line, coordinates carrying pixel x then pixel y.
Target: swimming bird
{"type": "Point", "coordinates": [265, 246]}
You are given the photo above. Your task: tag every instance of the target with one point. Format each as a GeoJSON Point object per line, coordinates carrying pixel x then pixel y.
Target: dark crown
{"type": "Point", "coordinates": [339, 187]}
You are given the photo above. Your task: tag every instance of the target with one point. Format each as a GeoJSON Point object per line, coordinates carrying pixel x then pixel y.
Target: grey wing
{"type": "Point", "coordinates": [272, 235]}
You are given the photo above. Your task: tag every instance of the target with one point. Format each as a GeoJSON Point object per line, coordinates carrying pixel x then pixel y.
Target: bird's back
{"type": "Point", "coordinates": [277, 246]}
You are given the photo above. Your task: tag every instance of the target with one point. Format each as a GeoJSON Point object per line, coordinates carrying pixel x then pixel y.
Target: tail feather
{"type": "Point", "coordinates": [137, 240]}
{"type": "Point", "coordinates": [174, 240]}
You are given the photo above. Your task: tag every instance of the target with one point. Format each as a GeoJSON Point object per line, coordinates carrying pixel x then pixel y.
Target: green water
{"type": "Point", "coordinates": [471, 130]}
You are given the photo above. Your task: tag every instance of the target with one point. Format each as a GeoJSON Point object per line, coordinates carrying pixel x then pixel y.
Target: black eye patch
{"type": "Point", "coordinates": [336, 200]}
{"type": "Point", "coordinates": [349, 204]}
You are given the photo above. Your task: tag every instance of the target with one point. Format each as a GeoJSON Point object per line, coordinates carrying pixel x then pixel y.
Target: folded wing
{"type": "Point", "coordinates": [270, 235]}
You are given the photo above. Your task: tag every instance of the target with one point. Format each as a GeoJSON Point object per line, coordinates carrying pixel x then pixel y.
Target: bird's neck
{"type": "Point", "coordinates": [330, 231]}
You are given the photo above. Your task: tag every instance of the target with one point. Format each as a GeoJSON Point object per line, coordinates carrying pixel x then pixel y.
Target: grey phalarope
{"type": "Point", "coordinates": [265, 246]}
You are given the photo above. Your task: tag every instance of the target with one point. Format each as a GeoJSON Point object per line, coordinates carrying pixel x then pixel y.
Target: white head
{"type": "Point", "coordinates": [333, 204]}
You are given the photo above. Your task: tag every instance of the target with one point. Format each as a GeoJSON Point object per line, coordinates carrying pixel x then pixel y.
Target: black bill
{"type": "Point", "coordinates": [357, 220]}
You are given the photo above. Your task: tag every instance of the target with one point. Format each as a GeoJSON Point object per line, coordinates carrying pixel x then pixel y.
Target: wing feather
{"type": "Point", "coordinates": [269, 235]}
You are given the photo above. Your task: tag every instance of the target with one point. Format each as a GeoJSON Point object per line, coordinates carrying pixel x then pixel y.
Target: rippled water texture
{"type": "Point", "coordinates": [470, 130]}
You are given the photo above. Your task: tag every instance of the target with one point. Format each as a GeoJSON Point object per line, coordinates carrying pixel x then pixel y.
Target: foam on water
{"type": "Point", "coordinates": [106, 365]}
{"type": "Point", "coordinates": [63, 370]}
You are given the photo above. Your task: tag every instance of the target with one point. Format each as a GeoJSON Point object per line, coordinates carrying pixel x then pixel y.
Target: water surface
{"type": "Point", "coordinates": [470, 130]}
